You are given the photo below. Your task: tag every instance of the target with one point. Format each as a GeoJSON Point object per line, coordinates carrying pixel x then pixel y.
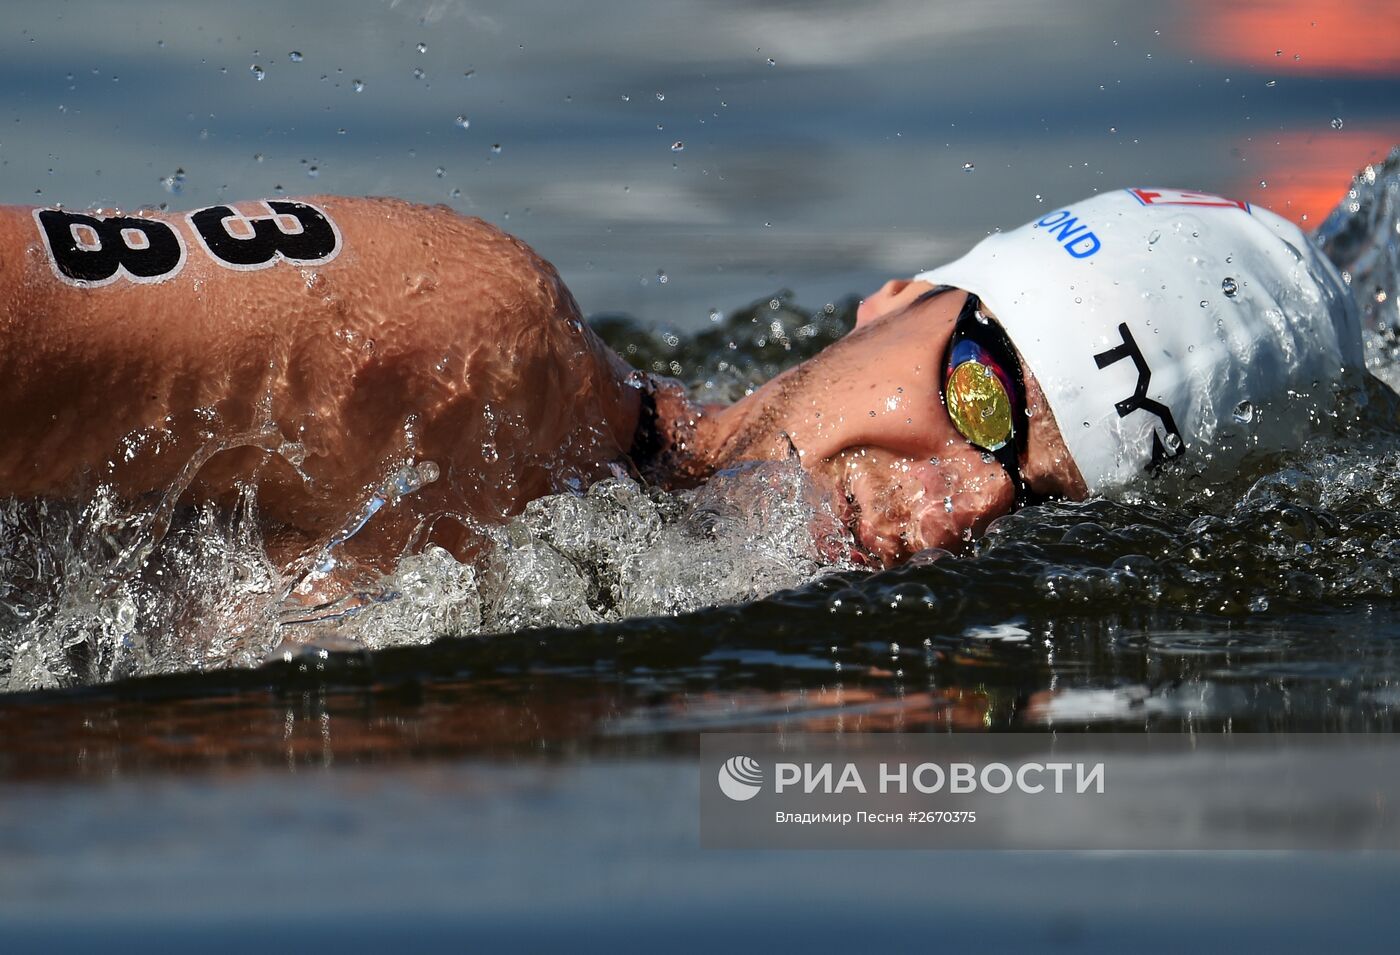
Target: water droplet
{"type": "Point", "coordinates": [295, 56]}
{"type": "Point", "coordinates": [1205, 304]}
{"type": "Point", "coordinates": [257, 72]}
{"type": "Point", "coordinates": [418, 73]}
{"type": "Point", "coordinates": [1244, 412]}
{"type": "Point", "coordinates": [968, 167]}
{"type": "Point", "coordinates": [257, 157]}
{"type": "Point", "coordinates": [1229, 287]}
{"type": "Point", "coordinates": [440, 171]}
{"type": "Point", "coordinates": [660, 97]}
{"type": "Point", "coordinates": [455, 193]}
{"type": "Point", "coordinates": [1153, 236]}
{"type": "Point", "coordinates": [1172, 443]}
{"type": "Point", "coordinates": [1337, 122]}
{"type": "Point", "coordinates": [312, 172]}
{"type": "Point", "coordinates": [1263, 184]}
{"type": "Point", "coordinates": [677, 146]}
{"type": "Point", "coordinates": [496, 148]}
{"type": "Point", "coordinates": [463, 122]}
{"type": "Point", "coordinates": [422, 47]}
{"type": "Point", "coordinates": [358, 86]}
{"type": "Point", "coordinates": [772, 62]}
{"type": "Point", "coordinates": [948, 504]}
{"type": "Point", "coordinates": [1271, 83]}
{"type": "Point", "coordinates": [661, 277]}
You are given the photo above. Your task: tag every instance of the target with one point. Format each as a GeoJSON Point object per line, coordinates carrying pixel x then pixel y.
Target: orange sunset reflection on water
{"type": "Point", "coordinates": [1304, 173]}
{"type": "Point", "coordinates": [1302, 176]}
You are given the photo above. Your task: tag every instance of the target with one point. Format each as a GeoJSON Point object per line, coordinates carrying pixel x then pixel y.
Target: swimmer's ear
{"type": "Point", "coordinates": [894, 296]}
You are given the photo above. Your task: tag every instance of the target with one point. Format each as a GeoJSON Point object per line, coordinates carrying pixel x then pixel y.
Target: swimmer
{"type": "Point", "coordinates": [309, 347]}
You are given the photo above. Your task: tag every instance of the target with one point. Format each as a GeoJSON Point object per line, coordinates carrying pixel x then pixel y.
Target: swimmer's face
{"type": "Point", "coordinates": [868, 422]}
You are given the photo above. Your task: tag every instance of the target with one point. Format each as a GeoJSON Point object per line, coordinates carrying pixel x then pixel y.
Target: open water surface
{"type": "Point", "coordinates": [505, 753]}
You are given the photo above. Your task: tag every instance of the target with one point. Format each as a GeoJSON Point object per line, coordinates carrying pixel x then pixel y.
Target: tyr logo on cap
{"type": "Point", "coordinates": [1138, 400]}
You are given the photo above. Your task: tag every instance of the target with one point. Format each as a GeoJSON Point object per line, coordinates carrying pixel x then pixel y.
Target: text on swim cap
{"type": "Point", "coordinates": [1073, 235]}
{"type": "Point", "coordinates": [1186, 197]}
{"type": "Point", "coordinates": [1138, 400]}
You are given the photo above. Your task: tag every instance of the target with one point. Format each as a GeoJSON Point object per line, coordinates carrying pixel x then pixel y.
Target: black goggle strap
{"type": "Point", "coordinates": [934, 292]}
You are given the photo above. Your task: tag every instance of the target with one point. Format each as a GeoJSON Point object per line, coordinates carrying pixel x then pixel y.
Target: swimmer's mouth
{"type": "Point", "coordinates": [850, 518]}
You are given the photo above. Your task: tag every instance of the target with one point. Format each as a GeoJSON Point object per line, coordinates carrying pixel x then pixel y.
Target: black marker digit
{"type": "Point", "coordinates": [314, 241]}
{"type": "Point", "coordinates": [89, 250]}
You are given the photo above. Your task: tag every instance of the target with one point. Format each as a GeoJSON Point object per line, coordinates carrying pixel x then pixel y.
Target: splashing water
{"type": "Point", "coordinates": [94, 592]}
{"type": "Point", "coordinates": [78, 606]}
{"type": "Point", "coordinates": [1362, 237]}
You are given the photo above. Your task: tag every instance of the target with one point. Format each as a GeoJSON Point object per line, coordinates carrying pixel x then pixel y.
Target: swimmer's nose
{"type": "Point", "coordinates": [892, 296]}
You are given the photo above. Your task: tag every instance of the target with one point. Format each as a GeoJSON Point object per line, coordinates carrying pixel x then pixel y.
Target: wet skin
{"type": "Point", "coordinates": [867, 420]}
{"type": "Point", "coordinates": [433, 336]}
{"type": "Point", "coordinates": [430, 336]}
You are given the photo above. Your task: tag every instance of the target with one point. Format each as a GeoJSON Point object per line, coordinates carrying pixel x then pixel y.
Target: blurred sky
{"type": "Point", "coordinates": [824, 143]}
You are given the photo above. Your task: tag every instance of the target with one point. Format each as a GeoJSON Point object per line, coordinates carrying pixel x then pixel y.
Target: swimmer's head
{"type": "Point", "coordinates": [1166, 324]}
{"type": "Point", "coordinates": [868, 420]}
{"type": "Point", "coordinates": [1140, 327]}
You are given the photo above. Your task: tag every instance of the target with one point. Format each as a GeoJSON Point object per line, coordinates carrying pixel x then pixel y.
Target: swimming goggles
{"type": "Point", "coordinates": [984, 391]}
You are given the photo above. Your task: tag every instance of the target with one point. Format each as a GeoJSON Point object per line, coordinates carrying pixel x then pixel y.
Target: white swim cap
{"type": "Point", "coordinates": [1158, 322]}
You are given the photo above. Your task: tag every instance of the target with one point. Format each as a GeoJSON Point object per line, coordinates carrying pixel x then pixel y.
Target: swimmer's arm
{"type": "Point", "coordinates": [421, 319]}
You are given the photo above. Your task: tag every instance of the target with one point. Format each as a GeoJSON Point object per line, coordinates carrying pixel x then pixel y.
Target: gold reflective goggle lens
{"type": "Point", "coordinates": [979, 405]}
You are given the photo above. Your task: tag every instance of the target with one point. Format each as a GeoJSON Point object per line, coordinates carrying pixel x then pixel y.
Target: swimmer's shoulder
{"type": "Point", "coordinates": [461, 255]}
{"type": "Point", "coordinates": [439, 228]}
{"type": "Point", "coordinates": [370, 224]}
{"type": "Point", "coordinates": [399, 248]}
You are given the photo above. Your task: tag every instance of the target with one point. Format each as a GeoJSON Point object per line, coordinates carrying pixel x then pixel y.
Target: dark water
{"type": "Point", "coordinates": [538, 787]}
